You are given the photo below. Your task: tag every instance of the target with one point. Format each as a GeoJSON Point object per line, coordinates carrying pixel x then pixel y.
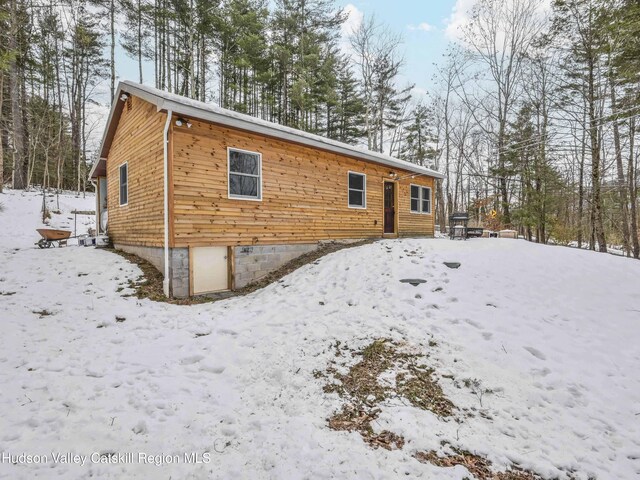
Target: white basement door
{"type": "Point", "coordinates": [209, 269]}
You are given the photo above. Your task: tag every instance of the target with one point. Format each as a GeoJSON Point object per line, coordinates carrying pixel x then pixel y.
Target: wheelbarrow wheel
{"type": "Point", "coordinates": [42, 243]}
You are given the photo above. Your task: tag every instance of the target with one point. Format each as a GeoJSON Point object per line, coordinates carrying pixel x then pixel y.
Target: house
{"type": "Point", "coordinates": [216, 199]}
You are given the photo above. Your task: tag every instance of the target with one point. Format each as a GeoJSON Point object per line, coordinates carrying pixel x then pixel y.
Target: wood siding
{"type": "Point", "coordinates": [304, 193]}
{"type": "Point", "coordinates": [138, 141]}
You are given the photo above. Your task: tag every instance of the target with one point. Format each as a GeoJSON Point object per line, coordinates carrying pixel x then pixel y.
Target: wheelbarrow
{"type": "Point", "coordinates": [50, 236]}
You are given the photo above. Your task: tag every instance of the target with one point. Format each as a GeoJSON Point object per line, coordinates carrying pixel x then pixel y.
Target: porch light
{"type": "Point", "coordinates": [181, 121]}
{"type": "Point", "coordinates": [124, 96]}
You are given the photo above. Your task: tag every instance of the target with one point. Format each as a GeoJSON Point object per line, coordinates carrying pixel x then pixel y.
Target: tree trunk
{"type": "Point", "coordinates": [596, 199]}
{"type": "Point", "coordinates": [17, 117]}
{"type": "Point", "coordinates": [139, 40]}
{"type": "Point", "coordinates": [506, 214]}
{"type": "Point", "coordinates": [633, 189]}
{"type": "Point", "coordinates": [622, 186]}
{"type": "Point", "coordinates": [1, 139]}
{"type": "Point", "coordinates": [583, 153]}
{"type": "Point", "coordinates": [112, 15]}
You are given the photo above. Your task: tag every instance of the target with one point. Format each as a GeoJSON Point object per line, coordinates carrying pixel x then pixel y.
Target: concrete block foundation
{"type": "Point", "coordinates": [251, 263]}
{"type": "Point", "coordinates": [254, 262]}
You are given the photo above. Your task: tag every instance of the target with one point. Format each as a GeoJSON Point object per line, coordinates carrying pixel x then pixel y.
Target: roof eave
{"type": "Point", "coordinates": [164, 104]}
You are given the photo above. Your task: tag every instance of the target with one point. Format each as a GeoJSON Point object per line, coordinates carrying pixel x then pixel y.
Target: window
{"type": "Point", "coordinates": [357, 190]}
{"type": "Point", "coordinates": [124, 184]}
{"type": "Point", "coordinates": [245, 174]}
{"type": "Point", "coordinates": [420, 199]}
{"type": "Point", "coordinates": [415, 198]}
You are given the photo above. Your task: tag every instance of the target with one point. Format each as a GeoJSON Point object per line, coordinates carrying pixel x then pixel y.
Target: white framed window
{"type": "Point", "coordinates": [124, 184]}
{"type": "Point", "coordinates": [357, 190]}
{"type": "Point", "coordinates": [244, 174]}
{"type": "Point", "coordinates": [420, 199]}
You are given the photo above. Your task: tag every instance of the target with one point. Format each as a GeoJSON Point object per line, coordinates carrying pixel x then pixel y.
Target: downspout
{"type": "Point", "coordinates": [95, 186]}
{"type": "Point", "coordinates": [166, 283]}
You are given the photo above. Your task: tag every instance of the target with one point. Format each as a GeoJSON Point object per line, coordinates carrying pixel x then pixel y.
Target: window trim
{"type": "Point", "coordinates": [259, 176]}
{"type": "Point", "coordinates": [120, 184]}
{"type": "Point", "coordinates": [364, 190]}
{"type": "Point", "coordinates": [421, 198]}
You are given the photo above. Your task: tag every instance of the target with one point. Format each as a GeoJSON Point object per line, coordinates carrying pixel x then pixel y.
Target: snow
{"type": "Point", "coordinates": [551, 331]}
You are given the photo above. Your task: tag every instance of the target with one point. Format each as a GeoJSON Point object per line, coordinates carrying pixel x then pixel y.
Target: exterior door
{"type": "Point", "coordinates": [389, 207]}
{"type": "Point", "coordinates": [210, 269]}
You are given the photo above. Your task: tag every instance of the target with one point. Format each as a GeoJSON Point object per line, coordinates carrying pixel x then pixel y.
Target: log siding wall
{"type": "Point", "coordinates": [137, 141]}
{"type": "Point", "coordinates": [304, 190]}
{"type": "Point", "coordinates": [304, 193]}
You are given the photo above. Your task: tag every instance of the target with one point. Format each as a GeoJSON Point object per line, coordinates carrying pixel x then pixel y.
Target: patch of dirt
{"type": "Point", "coordinates": [353, 419]}
{"type": "Point", "coordinates": [478, 466]}
{"type": "Point", "coordinates": [149, 285]}
{"type": "Point", "coordinates": [363, 391]}
{"type": "Point", "coordinates": [387, 370]}
{"type": "Point", "coordinates": [414, 381]}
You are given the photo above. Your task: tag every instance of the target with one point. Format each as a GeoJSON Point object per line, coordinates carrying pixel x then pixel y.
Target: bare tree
{"type": "Point", "coordinates": [448, 80]}
{"type": "Point", "coordinates": [15, 93]}
{"type": "Point", "coordinates": [376, 54]}
{"type": "Point", "coordinates": [633, 188]}
{"type": "Point", "coordinates": [1, 142]}
{"type": "Point", "coordinates": [577, 20]}
{"type": "Point", "coordinates": [501, 33]}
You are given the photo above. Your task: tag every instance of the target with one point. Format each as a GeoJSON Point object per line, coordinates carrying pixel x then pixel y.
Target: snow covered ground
{"type": "Point", "coordinates": [553, 331]}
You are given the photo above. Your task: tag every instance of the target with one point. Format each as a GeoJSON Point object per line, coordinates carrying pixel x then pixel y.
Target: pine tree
{"type": "Point", "coordinates": [578, 20]}
{"type": "Point", "coordinates": [84, 66]}
{"type": "Point", "coordinates": [419, 140]}
{"type": "Point", "coordinates": [304, 36]}
{"type": "Point", "coordinates": [345, 110]}
{"type": "Point", "coordinates": [243, 54]}
{"type": "Point", "coordinates": [136, 35]}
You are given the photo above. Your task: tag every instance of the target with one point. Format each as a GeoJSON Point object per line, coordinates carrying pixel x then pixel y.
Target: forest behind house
{"type": "Point", "coordinates": [532, 118]}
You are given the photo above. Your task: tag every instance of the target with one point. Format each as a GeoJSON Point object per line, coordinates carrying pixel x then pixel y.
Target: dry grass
{"type": "Point", "coordinates": [353, 419]}
{"type": "Point", "coordinates": [149, 285]}
{"type": "Point", "coordinates": [363, 392]}
{"type": "Point", "coordinates": [414, 381]}
{"type": "Point", "coordinates": [478, 466]}
{"type": "Point", "coordinates": [361, 384]}
{"type": "Point", "coordinates": [417, 386]}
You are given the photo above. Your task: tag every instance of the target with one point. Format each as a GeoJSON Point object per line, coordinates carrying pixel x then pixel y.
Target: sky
{"type": "Point", "coordinates": [427, 27]}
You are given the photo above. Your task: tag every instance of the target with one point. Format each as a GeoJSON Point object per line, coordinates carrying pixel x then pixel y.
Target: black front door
{"type": "Point", "coordinates": [389, 207]}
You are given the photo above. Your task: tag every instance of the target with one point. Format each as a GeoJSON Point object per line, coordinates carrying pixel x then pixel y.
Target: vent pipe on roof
{"type": "Point", "coordinates": [166, 282]}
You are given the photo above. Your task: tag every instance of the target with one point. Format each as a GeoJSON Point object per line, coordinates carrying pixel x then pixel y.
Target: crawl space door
{"type": "Point", "coordinates": [210, 269]}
